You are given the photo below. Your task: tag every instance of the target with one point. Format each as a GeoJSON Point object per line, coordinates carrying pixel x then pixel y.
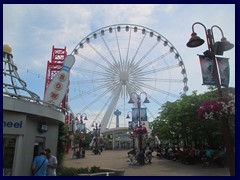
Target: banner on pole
{"type": "Point", "coordinates": [224, 70]}
{"type": "Point", "coordinates": [135, 114]}
{"type": "Point", "coordinates": [207, 70]}
{"type": "Point", "coordinates": [81, 126]}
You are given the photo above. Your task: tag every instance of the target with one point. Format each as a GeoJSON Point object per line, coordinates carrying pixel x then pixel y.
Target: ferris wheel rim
{"type": "Point", "coordinates": [168, 43]}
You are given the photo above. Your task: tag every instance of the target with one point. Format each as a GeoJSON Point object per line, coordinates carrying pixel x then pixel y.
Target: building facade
{"type": "Point", "coordinates": [28, 128]}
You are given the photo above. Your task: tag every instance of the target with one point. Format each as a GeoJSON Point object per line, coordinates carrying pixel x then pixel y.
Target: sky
{"type": "Point", "coordinates": [32, 31]}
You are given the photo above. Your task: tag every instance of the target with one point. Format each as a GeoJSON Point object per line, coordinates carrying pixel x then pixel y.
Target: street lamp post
{"type": "Point", "coordinates": [217, 49]}
{"type": "Point", "coordinates": [81, 137]}
{"type": "Point", "coordinates": [96, 131]}
{"type": "Point", "coordinates": [132, 135]}
{"type": "Point", "coordinates": [81, 117]}
{"type": "Point", "coordinates": [140, 136]}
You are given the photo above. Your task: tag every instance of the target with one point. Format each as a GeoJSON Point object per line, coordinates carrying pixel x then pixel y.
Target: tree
{"type": "Point", "coordinates": [178, 121]}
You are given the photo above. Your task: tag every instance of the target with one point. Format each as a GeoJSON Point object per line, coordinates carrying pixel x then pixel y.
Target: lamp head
{"type": "Point", "coordinates": [221, 46]}
{"type": "Point", "coordinates": [128, 116]}
{"type": "Point", "coordinates": [131, 101]}
{"type": "Point", "coordinates": [146, 100]}
{"type": "Point", "coordinates": [195, 41]}
{"type": "Point", "coordinates": [85, 118]}
{"type": "Point", "coordinates": [227, 44]}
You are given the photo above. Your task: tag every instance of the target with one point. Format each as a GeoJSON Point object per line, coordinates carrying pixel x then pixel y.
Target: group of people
{"type": "Point", "coordinates": [139, 157]}
{"type": "Point", "coordinates": [193, 155]}
{"type": "Point", "coordinates": [44, 164]}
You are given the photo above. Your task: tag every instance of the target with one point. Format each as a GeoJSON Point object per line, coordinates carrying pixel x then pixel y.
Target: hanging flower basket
{"type": "Point", "coordinates": [132, 135]}
{"type": "Point", "coordinates": [140, 130]}
{"type": "Point", "coordinates": [213, 110]}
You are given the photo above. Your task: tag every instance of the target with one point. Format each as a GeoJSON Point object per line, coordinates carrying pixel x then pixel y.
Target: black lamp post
{"type": "Point", "coordinates": [217, 49]}
{"type": "Point", "coordinates": [81, 137]}
{"type": "Point", "coordinates": [132, 135]}
{"type": "Point", "coordinates": [81, 119]}
{"type": "Point", "coordinates": [131, 101]}
{"type": "Point", "coordinates": [96, 132]}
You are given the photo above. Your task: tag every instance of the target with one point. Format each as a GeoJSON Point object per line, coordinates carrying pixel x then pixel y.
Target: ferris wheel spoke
{"type": "Point", "coordinates": [98, 98]}
{"type": "Point", "coordinates": [146, 54]}
{"type": "Point", "coordinates": [144, 73]}
{"type": "Point", "coordinates": [128, 46]}
{"type": "Point", "coordinates": [109, 51]}
{"type": "Point", "coordinates": [158, 90]}
{"type": "Point", "coordinates": [90, 81]}
{"type": "Point", "coordinates": [155, 101]}
{"type": "Point", "coordinates": [98, 115]}
{"type": "Point", "coordinates": [132, 87]}
{"type": "Point", "coordinates": [111, 66]}
{"type": "Point", "coordinates": [111, 107]}
{"type": "Point", "coordinates": [150, 63]}
{"type": "Point", "coordinates": [107, 69]}
{"type": "Point", "coordinates": [143, 79]}
{"type": "Point", "coordinates": [89, 92]}
{"type": "Point", "coordinates": [87, 71]}
{"type": "Point", "coordinates": [119, 50]}
{"type": "Point", "coordinates": [139, 46]}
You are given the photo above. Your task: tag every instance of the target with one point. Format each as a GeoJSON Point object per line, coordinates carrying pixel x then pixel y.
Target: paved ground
{"type": "Point", "coordinates": [159, 167]}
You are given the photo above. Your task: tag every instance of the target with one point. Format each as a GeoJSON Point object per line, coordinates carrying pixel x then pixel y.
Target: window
{"type": "Point", "coordinates": [9, 144]}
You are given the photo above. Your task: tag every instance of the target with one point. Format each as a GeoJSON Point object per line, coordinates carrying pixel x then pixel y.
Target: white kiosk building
{"type": "Point", "coordinates": [29, 124]}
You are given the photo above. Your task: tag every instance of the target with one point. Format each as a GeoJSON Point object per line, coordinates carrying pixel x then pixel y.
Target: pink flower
{"type": "Point", "coordinates": [216, 109]}
{"type": "Point", "coordinates": [140, 130]}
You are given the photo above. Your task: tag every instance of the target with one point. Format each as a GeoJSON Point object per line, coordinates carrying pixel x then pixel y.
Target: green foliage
{"type": "Point", "coordinates": [62, 139]}
{"type": "Point", "coordinates": [179, 122]}
{"type": "Point", "coordinates": [86, 142]}
{"type": "Point", "coordinates": [94, 169]}
{"type": "Point", "coordinates": [70, 171]}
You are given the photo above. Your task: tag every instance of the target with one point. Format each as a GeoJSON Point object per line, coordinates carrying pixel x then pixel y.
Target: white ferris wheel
{"type": "Point", "coordinates": [116, 60]}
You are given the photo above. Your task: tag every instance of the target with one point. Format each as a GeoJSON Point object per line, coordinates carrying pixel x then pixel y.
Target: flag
{"type": "Point", "coordinates": [135, 114]}
{"type": "Point", "coordinates": [224, 70]}
{"type": "Point", "coordinates": [207, 70]}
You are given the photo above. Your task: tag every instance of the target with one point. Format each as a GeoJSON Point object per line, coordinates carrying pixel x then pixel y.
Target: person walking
{"type": "Point", "coordinates": [52, 163]}
{"type": "Point", "coordinates": [39, 165]}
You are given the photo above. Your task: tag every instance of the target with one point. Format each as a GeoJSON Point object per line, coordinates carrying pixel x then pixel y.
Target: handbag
{"type": "Point", "coordinates": [39, 167]}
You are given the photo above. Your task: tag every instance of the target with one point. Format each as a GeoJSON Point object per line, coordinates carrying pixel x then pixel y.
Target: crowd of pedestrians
{"type": "Point", "coordinates": [140, 157]}
{"type": "Point", "coordinates": [191, 155]}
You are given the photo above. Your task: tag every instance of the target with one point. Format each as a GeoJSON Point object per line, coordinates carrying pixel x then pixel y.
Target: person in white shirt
{"type": "Point", "coordinates": [52, 163]}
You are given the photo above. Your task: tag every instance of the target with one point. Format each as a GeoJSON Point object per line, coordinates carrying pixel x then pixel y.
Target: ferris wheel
{"type": "Point", "coordinates": [116, 60]}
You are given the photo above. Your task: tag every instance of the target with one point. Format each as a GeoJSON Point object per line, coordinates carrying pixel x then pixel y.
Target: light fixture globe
{"type": "Point", "coordinates": [195, 41]}
{"type": "Point", "coordinates": [226, 44]}
{"type": "Point", "coordinates": [7, 49]}
{"type": "Point", "coordinates": [221, 46]}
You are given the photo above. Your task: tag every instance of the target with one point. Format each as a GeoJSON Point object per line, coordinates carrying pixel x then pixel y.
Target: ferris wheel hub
{"type": "Point", "coordinates": [124, 76]}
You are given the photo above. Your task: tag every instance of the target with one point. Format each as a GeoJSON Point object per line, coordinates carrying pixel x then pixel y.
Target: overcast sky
{"type": "Point", "coordinates": [32, 30]}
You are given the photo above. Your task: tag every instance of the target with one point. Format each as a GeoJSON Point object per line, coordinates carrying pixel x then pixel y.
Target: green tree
{"type": "Point", "coordinates": [178, 121]}
{"type": "Point", "coordinates": [62, 139]}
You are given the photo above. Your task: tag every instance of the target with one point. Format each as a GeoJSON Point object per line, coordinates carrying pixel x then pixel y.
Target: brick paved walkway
{"type": "Point", "coordinates": [159, 167]}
